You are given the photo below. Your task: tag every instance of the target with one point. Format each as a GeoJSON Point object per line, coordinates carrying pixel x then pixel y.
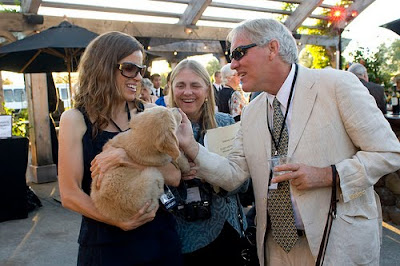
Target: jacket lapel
{"type": "Point", "coordinates": [303, 103]}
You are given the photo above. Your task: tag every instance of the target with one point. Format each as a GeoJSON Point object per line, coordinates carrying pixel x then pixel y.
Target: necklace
{"type": "Point", "coordinates": [129, 118]}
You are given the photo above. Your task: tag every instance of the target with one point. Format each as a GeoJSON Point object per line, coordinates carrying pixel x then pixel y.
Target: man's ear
{"type": "Point", "coordinates": [273, 47]}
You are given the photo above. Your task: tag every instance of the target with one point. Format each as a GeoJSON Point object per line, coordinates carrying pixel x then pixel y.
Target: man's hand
{"type": "Point", "coordinates": [303, 176]}
{"type": "Point", "coordinates": [185, 137]}
{"type": "Point", "coordinates": [192, 173]}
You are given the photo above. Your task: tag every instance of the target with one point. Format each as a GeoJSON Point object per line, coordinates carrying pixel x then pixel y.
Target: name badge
{"type": "Point", "coordinates": [193, 194]}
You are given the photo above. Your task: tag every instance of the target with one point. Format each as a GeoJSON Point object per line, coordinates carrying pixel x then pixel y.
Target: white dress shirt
{"type": "Point", "coordinates": [218, 86]}
{"type": "Point", "coordinates": [156, 92]}
{"type": "Point", "coordinates": [283, 96]}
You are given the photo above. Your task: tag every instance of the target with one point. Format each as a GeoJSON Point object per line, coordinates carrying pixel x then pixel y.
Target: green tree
{"type": "Point", "coordinates": [4, 9]}
{"type": "Point", "coordinates": [19, 124]}
{"type": "Point", "coordinates": [320, 56]}
{"type": "Point", "coordinates": [382, 65]}
{"type": "Point", "coordinates": [212, 66]}
{"type": "Point", "coordinates": [7, 81]}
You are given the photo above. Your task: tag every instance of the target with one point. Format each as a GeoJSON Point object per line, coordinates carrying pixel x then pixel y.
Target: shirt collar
{"type": "Point", "coordinates": [284, 91]}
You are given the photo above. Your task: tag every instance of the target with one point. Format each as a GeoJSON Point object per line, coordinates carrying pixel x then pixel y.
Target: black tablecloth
{"type": "Point", "coordinates": [13, 164]}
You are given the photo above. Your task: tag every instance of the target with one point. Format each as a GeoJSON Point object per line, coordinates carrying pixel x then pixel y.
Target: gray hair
{"type": "Point", "coordinates": [227, 72]}
{"type": "Point", "coordinates": [262, 31]}
{"type": "Point", "coordinates": [357, 69]}
{"type": "Point", "coordinates": [147, 84]}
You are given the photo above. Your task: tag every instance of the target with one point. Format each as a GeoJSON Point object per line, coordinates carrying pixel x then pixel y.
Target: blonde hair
{"type": "Point", "coordinates": [207, 116]}
{"type": "Point", "coordinates": [98, 89]}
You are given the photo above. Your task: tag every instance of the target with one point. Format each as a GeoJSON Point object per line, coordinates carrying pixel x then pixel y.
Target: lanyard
{"type": "Point", "coordinates": [277, 144]}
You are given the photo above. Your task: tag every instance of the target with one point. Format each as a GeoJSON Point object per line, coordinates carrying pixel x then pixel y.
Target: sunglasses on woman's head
{"type": "Point", "coordinates": [240, 51]}
{"type": "Point", "coordinates": [130, 70]}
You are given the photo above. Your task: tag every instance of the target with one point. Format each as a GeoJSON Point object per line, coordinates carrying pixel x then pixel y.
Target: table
{"type": "Point", "coordinates": [13, 164]}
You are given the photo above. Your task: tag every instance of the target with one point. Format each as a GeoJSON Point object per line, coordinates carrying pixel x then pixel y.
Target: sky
{"type": "Point", "coordinates": [364, 30]}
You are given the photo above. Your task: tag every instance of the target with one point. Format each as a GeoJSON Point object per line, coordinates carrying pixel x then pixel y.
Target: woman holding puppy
{"type": "Point", "coordinates": [208, 223]}
{"type": "Point", "coordinates": [110, 70]}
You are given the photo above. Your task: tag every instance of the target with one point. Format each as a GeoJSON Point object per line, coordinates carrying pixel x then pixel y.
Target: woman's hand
{"type": "Point", "coordinates": [143, 216]}
{"type": "Point", "coordinates": [108, 159]}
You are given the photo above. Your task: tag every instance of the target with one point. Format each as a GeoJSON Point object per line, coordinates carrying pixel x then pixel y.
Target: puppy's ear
{"type": "Point", "coordinates": [168, 143]}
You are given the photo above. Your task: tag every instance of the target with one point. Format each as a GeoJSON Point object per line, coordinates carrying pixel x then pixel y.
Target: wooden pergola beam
{"type": "Point", "coordinates": [159, 33]}
{"type": "Point", "coordinates": [111, 9]}
{"type": "Point", "coordinates": [8, 35]}
{"type": "Point", "coordinates": [303, 11]}
{"type": "Point", "coordinates": [14, 22]}
{"type": "Point", "coordinates": [357, 6]}
{"type": "Point", "coordinates": [193, 12]}
{"type": "Point", "coordinates": [30, 6]}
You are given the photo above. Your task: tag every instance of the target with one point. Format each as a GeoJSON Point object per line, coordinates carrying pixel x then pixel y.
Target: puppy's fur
{"type": "Point", "coordinates": [151, 141]}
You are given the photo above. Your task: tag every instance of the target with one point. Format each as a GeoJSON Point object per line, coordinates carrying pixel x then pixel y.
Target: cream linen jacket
{"type": "Point", "coordinates": [334, 121]}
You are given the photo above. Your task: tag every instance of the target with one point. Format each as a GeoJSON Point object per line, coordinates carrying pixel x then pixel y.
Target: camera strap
{"type": "Point", "coordinates": [240, 216]}
{"type": "Point", "coordinates": [329, 220]}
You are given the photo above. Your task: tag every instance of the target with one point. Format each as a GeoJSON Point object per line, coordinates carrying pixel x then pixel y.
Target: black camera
{"type": "Point", "coordinates": [197, 201]}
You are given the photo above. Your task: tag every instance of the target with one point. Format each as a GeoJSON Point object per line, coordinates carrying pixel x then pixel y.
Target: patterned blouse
{"type": "Point", "coordinates": [237, 102]}
{"type": "Point", "coordinates": [224, 207]}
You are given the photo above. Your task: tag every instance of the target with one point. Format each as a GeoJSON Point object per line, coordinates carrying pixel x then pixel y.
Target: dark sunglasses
{"type": "Point", "coordinates": [130, 70]}
{"type": "Point", "coordinates": [240, 51]}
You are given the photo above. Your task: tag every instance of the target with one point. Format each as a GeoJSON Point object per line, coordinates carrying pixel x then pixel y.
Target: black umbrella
{"type": "Point", "coordinates": [394, 26]}
{"type": "Point", "coordinates": [57, 49]}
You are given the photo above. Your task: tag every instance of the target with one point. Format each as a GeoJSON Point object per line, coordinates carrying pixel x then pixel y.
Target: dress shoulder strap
{"type": "Point", "coordinates": [87, 120]}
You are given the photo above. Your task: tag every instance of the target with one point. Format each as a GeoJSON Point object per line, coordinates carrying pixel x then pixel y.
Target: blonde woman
{"type": "Point", "coordinates": [213, 235]}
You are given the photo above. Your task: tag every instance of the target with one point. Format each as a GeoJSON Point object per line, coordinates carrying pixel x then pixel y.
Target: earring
{"type": "Point", "coordinates": [206, 100]}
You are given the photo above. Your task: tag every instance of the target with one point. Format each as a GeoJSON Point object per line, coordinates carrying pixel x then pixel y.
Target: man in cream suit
{"type": "Point", "coordinates": [331, 120]}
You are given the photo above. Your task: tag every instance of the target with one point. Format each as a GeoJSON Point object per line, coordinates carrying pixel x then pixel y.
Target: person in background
{"type": "Point", "coordinates": [329, 125]}
{"type": "Point", "coordinates": [145, 91]}
{"type": "Point", "coordinates": [377, 91]}
{"type": "Point", "coordinates": [156, 80]}
{"type": "Point", "coordinates": [110, 71]}
{"type": "Point", "coordinates": [396, 80]}
{"type": "Point", "coordinates": [217, 85]}
{"type": "Point", "coordinates": [209, 237]}
{"type": "Point", "coordinates": [232, 99]}
{"type": "Point", "coordinates": [164, 100]}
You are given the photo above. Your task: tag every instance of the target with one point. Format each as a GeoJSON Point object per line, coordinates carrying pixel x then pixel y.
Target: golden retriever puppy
{"type": "Point", "coordinates": [151, 141]}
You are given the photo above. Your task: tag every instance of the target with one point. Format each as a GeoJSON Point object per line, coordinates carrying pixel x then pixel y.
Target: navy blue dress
{"type": "Point", "coordinates": [154, 243]}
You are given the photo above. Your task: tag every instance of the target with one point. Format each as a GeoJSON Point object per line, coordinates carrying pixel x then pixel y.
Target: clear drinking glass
{"type": "Point", "coordinates": [275, 161]}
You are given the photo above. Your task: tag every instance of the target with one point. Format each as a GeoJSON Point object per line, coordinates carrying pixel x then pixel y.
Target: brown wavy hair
{"type": "Point", "coordinates": [207, 117]}
{"type": "Point", "coordinates": [97, 89]}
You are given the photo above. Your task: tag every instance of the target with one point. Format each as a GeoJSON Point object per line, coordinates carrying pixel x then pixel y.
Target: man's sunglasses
{"type": "Point", "coordinates": [240, 51]}
{"type": "Point", "coordinates": [130, 70]}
